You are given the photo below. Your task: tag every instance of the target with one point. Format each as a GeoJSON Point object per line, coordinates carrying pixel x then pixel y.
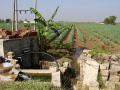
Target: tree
{"type": "Point", "coordinates": [8, 20]}
{"type": "Point", "coordinates": [43, 27]}
{"type": "Point", "coordinates": [110, 20]}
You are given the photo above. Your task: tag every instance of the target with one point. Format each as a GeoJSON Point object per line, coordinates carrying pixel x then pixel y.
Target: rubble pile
{"type": "Point", "coordinates": [110, 69]}
{"type": "Point", "coordinates": [106, 65]}
{"type": "Point", "coordinates": [88, 72]}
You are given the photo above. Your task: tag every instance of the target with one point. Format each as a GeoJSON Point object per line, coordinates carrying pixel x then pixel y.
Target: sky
{"type": "Point", "coordinates": [70, 10]}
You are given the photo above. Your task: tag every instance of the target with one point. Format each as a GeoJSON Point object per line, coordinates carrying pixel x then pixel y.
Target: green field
{"type": "Point", "coordinates": [88, 35]}
{"type": "Point", "coordinates": [8, 26]}
{"type": "Point", "coordinates": [91, 35]}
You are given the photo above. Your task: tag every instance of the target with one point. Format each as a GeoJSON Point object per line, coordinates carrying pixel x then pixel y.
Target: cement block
{"type": "Point", "coordinates": [113, 72]}
{"type": "Point", "coordinates": [114, 78]}
{"type": "Point", "coordinates": [56, 79]}
{"type": "Point", "coordinates": [104, 78]}
{"type": "Point", "coordinates": [90, 71]}
{"type": "Point", "coordinates": [115, 68]}
{"type": "Point", "coordinates": [94, 86]}
{"type": "Point", "coordinates": [105, 72]}
{"type": "Point", "coordinates": [104, 66]}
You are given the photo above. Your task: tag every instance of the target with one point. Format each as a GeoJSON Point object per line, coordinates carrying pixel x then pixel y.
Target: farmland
{"type": "Point", "coordinates": [91, 35]}
{"type": "Point", "coordinates": [83, 35]}
{"type": "Point", "coordinates": [8, 26]}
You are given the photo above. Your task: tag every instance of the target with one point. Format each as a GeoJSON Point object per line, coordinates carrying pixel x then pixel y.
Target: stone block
{"type": "Point", "coordinates": [105, 72]}
{"type": "Point", "coordinates": [90, 71]}
{"type": "Point", "coordinates": [114, 57]}
{"type": "Point", "coordinates": [113, 72]}
{"type": "Point", "coordinates": [86, 51]}
{"type": "Point", "coordinates": [104, 78]}
{"type": "Point", "coordinates": [115, 63]}
{"type": "Point", "coordinates": [114, 78]}
{"type": "Point", "coordinates": [94, 86]}
{"type": "Point", "coordinates": [115, 68]}
{"type": "Point", "coordinates": [104, 66]}
{"type": "Point", "coordinates": [56, 79]}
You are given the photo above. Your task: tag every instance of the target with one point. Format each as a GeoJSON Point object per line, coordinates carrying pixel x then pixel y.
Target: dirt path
{"type": "Point", "coordinates": [66, 38]}
{"type": "Point", "coordinates": [88, 43]}
{"type": "Point", "coordinates": [77, 43]}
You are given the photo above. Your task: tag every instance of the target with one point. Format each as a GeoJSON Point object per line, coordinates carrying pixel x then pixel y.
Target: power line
{"type": "Point", "coordinates": [15, 14]}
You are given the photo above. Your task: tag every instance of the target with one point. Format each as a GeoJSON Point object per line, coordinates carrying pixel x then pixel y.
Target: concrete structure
{"type": "Point", "coordinates": [90, 72]}
{"type": "Point", "coordinates": [55, 75]}
{"type": "Point", "coordinates": [22, 47]}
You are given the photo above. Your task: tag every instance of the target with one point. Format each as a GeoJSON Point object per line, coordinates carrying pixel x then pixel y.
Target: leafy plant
{"type": "Point", "coordinates": [43, 27]}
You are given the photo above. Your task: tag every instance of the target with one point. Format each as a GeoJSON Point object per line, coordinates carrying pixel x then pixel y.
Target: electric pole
{"type": "Point", "coordinates": [16, 19]}
{"type": "Point", "coordinates": [35, 15]}
{"type": "Point", "coordinates": [15, 16]}
{"type": "Point", "coordinates": [13, 19]}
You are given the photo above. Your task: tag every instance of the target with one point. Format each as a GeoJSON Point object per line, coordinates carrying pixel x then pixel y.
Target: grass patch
{"type": "Point", "coordinates": [28, 85]}
{"type": "Point", "coordinates": [96, 51]}
{"type": "Point", "coordinates": [42, 78]}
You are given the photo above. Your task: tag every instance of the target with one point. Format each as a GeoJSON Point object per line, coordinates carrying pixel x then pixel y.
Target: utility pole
{"type": "Point", "coordinates": [13, 19]}
{"type": "Point", "coordinates": [35, 15]}
{"type": "Point", "coordinates": [15, 16]}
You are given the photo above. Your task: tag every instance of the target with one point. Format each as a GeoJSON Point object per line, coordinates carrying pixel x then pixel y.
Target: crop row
{"type": "Point", "coordinates": [59, 39]}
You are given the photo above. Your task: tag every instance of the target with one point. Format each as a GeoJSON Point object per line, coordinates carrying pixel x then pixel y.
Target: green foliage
{"type": "Point", "coordinates": [55, 12]}
{"type": "Point", "coordinates": [8, 26]}
{"type": "Point", "coordinates": [80, 36]}
{"type": "Point", "coordinates": [39, 18]}
{"type": "Point", "coordinates": [58, 42]}
{"type": "Point", "coordinates": [27, 26]}
{"type": "Point", "coordinates": [71, 36]}
{"type": "Point", "coordinates": [110, 20]}
{"type": "Point", "coordinates": [100, 80]}
{"type": "Point", "coordinates": [70, 40]}
{"type": "Point", "coordinates": [108, 34]}
{"type": "Point", "coordinates": [8, 20]}
{"type": "Point", "coordinates": [28, 85]}
{"type": "Point", "coordinates": [95, 52]}
{"type": "Point", "coordinates": [43, 27]}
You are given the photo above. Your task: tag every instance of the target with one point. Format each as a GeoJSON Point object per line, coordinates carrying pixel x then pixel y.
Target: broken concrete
{"type": "Point", "coordinates": [90, 71]}
{"type": "Point", "coordinates": [104, 66]}
{"type": "Point", "coordinates": [56, 79]}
